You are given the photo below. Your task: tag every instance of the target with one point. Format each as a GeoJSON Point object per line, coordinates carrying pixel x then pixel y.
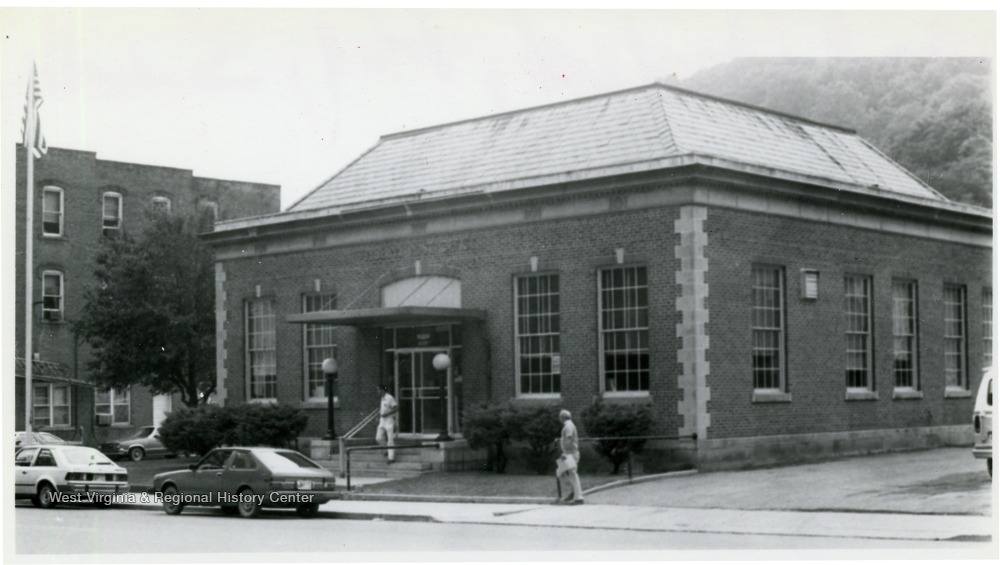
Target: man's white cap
{"type": "Point", "coordinates": [565, 415]}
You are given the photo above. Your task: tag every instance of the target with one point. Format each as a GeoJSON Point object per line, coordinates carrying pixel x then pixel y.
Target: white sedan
{"type": "Point", "coordinates": [55, 474]}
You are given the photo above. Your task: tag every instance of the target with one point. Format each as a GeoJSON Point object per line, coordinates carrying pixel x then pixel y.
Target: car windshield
{"type": "Point", "coordinates": [85, 456]}
{"type": "Point", "coordinates": [288, 461]}
{"type": "Point", "coordinates": [142, 432]}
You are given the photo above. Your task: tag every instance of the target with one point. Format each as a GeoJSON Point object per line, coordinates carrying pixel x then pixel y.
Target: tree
{"type": "Point", "coordinates": [149, 318]}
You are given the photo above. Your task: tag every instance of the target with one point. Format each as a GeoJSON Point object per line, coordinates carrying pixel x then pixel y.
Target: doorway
{"type": "Point", "coordinates": [423, 392]}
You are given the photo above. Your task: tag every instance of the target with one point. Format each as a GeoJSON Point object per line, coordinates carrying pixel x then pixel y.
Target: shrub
{"type": "Point", "coordinates": [194, 430]}
{"type": "Point", "coordinates": [199, 430]}
{"type": "Point", "coordinates": [272, 425]}
{"type": "Point", "coordinates": [540, 427]}
{"type": "Point", "coordinates": [488, 426]}
{"type": "Point", "coordinates": [617, 420]}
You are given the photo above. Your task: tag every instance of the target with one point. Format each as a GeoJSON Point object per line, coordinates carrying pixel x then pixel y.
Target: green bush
{"type": "Point", "coordinates": [540, 427]}
{"type": "Point", "coordinates": [617, 420]}
{"type": "Point", "coordinates": [199, 430]}
{"type": "Point", "coordinates": [488, 426]}
{"type": "Point", "coordinates": [194, 430]}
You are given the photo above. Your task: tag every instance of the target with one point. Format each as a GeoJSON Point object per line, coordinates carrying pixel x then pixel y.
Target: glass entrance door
{"type": "Point", "coordinates": [421, 391]}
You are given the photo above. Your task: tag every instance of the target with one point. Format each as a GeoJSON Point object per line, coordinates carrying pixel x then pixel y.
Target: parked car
{"type": "Point", "coordinates": [982, 420]}
{"type": "Point", "coordinates": [143, 443]}
{"type": "Point", "coordinates": [51, 474]}
{"type": "Point", "coordinates": [246, 479]}
{"type": "Point", "coordinates": [38, 438]}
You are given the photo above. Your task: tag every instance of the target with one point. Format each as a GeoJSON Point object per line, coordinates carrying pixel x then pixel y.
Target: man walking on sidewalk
{"type": "Point", "coordinates": [385, 434]}
{"type": "Point", "coordinates": [569, 444]}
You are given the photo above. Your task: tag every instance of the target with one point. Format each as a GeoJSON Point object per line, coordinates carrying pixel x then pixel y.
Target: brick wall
{"type": "Point", "coordinates": [84, 178]}
{"type": "Point", "coordinates": [815, 329]}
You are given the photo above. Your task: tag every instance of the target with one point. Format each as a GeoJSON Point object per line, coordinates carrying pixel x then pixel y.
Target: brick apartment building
{"type": "Point", "coordinates": [774, 285]}
{"type": "Point", "coordinates": [80, 199]}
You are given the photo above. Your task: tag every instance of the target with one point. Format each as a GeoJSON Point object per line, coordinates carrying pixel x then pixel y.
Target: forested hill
{"type": "Point", "coordinates": [932, 116]}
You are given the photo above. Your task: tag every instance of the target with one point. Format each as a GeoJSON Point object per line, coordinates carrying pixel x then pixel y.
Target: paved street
{"type": "Point", "coordinates": [87, 531]}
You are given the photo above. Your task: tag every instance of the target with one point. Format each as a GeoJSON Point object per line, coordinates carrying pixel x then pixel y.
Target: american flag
{"type": "Point", "coordinates": [34, 139]}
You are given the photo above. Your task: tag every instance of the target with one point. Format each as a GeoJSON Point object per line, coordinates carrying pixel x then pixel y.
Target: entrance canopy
{"type": "Point", "coordinates": [394, 315]}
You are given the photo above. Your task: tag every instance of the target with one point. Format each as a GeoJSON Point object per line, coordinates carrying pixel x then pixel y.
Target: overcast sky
{"type": "Point", "coordinates": [290, 97]}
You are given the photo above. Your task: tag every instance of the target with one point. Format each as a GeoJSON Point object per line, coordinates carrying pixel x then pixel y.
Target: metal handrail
{"type": "Point", "coordinates": [692, 437]}
{"type": "Point", "coordinates": [379, 448]}
{"type": "Point", "coordinates": [364, 422]}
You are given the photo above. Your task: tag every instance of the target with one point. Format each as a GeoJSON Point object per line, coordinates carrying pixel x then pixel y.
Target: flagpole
{"type": "Point", "coordinates": [29, 307]}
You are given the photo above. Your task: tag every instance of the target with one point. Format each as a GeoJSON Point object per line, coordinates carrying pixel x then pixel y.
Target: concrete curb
{"type": "Point", "coordinates": [644, 479]}
{"type": "Point", "coordinates": [364, 496]}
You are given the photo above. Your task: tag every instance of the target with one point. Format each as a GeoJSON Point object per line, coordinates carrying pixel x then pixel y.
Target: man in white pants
{"type": "Point", "coordinates": [387, 422]}
{"type": "Point", "coordinates": [569, 444]}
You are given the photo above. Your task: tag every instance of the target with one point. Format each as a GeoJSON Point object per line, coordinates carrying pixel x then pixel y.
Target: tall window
{"type": "Point", "coordinates": [904, 334]}
{"type": "Point", "coordinates": [536, 315]}
{"type": "Point", "coordinates": [623, 302]}
{"type": "Point", "coordinates": [261, 349]}
{"type": "Point", "coordinates": [987, 327]}
{"type": "Point", "coordinates": [51, 405]}
{"type": "Point", "coordinates": [115, 403]}
{"type": "Point", "coordinates": [52, 296]}
{"type": "Point", "coordinates": [858, 317]}
{"type": "Point", "coordinates": [111, 212]}
{"type": "Point", "coordinates": [161, 203]}
{"type": "Point", "coordinates": [955, 366]}
{"type": "Point", "coordinates": [319, 343]}
{"type": "Point", "coordinates": [768, 327]}
{"type": "Point", "coordinates": [52, 210]}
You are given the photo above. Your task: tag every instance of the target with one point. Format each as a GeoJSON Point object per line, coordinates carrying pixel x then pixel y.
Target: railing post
{"type": "Point", "coordinates": [629, 463]}
{"type": "Point", "coordinates": [348, 471]}
{"type": "Point", "coordinates": [340, 452]}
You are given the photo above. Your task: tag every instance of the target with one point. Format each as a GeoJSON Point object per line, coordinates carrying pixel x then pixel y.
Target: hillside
{"type": "Point", "coordinates": [932, 116]}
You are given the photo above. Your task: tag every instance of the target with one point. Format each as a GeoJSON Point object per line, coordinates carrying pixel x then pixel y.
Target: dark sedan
{"type": "Point", "coordinates": [246, 479]}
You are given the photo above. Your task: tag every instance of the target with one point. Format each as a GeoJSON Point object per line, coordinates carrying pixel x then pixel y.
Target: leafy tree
{"type": "Point", "coordinates": [195, 430]}
{"type": "Point", "coordinates": [149, 318]}
{"type": "Point", "coordinates": [617, 420]}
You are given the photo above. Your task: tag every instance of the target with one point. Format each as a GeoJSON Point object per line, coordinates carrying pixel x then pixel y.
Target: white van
{"type": "Point", "coordinates": [982, 420]}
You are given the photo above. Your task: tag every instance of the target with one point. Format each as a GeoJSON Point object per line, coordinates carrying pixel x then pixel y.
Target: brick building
{"type": "Point", "coordinates": [775, 286]}
{"type": "Point", "coordinates": [80, 199]}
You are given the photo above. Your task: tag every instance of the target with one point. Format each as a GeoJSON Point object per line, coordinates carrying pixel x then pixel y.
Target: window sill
{"type": "Point", "coordinates": [54, 236]}
{"type": "Point", "coordinates": [907, 394]}
{"type": "Point", "coordinates": [262, 401]}
{"type": "Point", "coordinates": [626, 397]}
{"type": "Point", "coordinates": [861, 395]}
{"type": "Point", "coordinates": [770, 396]}
{"type": "Point", "coordinates": [537, 398]}
{"type": "Point", "coordinates": [957, 392]}
{"type": "Point", "coordinates": [319, 404]}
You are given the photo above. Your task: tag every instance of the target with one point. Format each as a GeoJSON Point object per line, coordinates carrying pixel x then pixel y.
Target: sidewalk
{"type": "Point", "coordinates": [654, 519]}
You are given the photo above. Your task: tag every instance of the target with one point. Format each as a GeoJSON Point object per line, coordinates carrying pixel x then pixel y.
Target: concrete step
{"type": "Point", "coordinates": [398, 470]}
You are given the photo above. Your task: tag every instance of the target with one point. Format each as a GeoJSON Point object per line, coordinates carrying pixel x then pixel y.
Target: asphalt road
{"type": "Point", "coordinates": [89, 531]}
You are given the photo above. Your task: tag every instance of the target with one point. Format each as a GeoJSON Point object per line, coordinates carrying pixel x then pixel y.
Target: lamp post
{"type": "Point", "coordinates": [330, 370]}
{"type": "Point", "coordinates": [441, 362]}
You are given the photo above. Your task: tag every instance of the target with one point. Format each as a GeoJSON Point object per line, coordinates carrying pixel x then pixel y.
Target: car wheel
{"type": "Point", "coordinates": [36, 502]}
{"type": "Point", "coordinates": [989, 467]}
{"type": "Point", "coordinates": [308, 510]}
{"type": "Point", "coordinates": [136, 454]}
{"type": "Point", "coordinates": [230, 510]}
{"type": "Point", "coordinates": [171, 503]}
{"type": "Point", "coordinates": [248, 506]}
{"type": "Point", "coordinates": [45, 496]}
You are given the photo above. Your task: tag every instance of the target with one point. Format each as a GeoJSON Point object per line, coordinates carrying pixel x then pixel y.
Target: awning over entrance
{"type": "Point", "coordinates": [47, 372]}
{"type": "Point", "coordinates": [417, 315]}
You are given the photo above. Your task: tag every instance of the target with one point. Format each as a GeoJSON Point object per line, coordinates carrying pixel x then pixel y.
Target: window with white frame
{"type": "Point", "coordinates": [261, 358]}
{"type": "Point", "coordinates": [987, 327]}
{"type": "Point", "coordinates": [115, 403]}
{"type": "Point", "coordinates": [52, 211]}
{"type": "Point", "coordinates": [768, 327]}
{"type": "Point", "coordinates": [904, 334]}
{"type": "Point", "coordinates": [161, 203]}
{"type": "Point", "coordinates": [320, 343]}
{"type": "Point", "coordinates": [52, 296]}
{"type": "Point", "coordinates": [536, 339]}
{"type": "Point", "coordinates": [955, 364]}
{"type": "Point", "coordinates": [858, 321]}
{"type": "Point", "coordinates": [51, 405]}
{"type": "Point", "coordinates": [623, 304]}
{"type": "Point", "coordinates": [111, 212]}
